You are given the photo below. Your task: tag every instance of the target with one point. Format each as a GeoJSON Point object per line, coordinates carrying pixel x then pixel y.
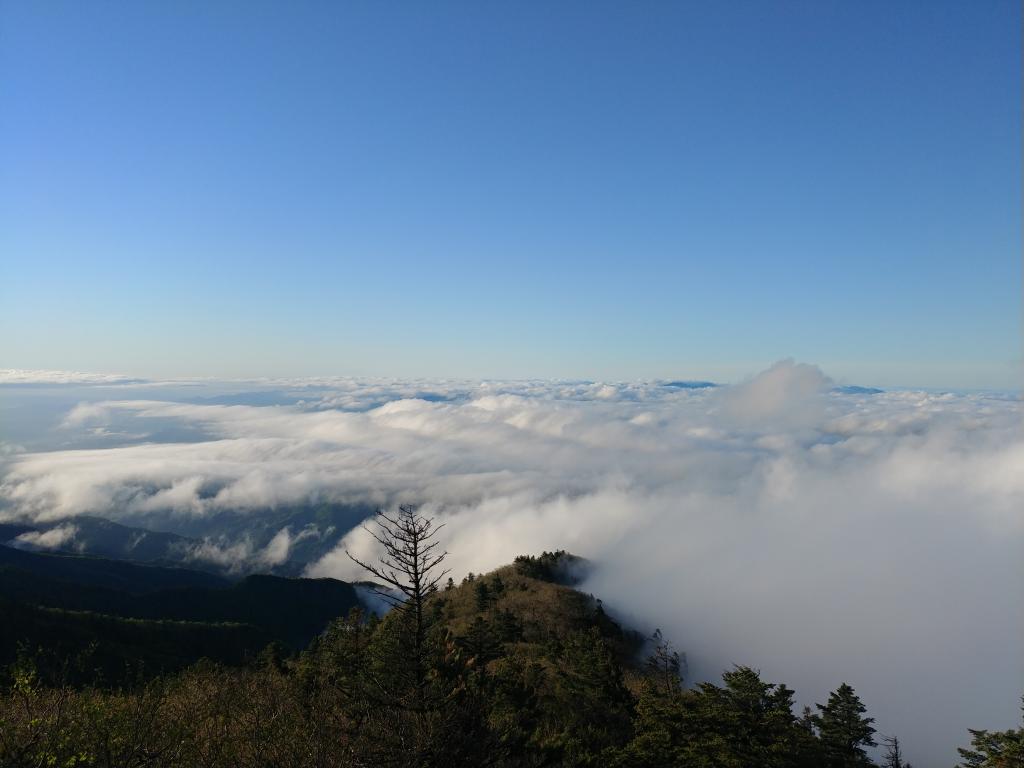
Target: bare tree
{"type": "Point", "coordinates": [893, 753]}
{"type": "Point", "coordinates": [409, 567]}
{"type": "Point", "coordinates": [665, 666]}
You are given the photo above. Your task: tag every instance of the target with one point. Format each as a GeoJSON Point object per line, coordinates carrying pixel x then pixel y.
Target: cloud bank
{"type": "Point", "coordinates": [21, 376]}
{"type": "Point", "coordinates": [818, 534]}
{"type": "Point", "coordinates": [58, 537]}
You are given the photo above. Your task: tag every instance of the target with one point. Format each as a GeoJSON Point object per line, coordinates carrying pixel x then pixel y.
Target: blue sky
{"type": "Point", "coordinates": [570, 189]}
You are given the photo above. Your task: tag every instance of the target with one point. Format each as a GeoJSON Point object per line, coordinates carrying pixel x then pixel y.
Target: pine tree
{"type": "Point", "coordinates": [843, 729]}
{"type": "Point", "coordinates": [994, 749]}
{"type": "Point", "coordinates": [480, 642]}
{"type": "Point", "coordinates": [482, 595]}
{"type": "Point", "coordinates": [508, 627]}
{"type": "Point", "coordinates": [593, 707]}
{"type": "Point", "coordinates": [497, 586]}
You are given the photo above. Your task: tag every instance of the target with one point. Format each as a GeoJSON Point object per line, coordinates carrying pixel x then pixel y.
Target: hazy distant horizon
{"type": "Point", "coordinates": [24, 376]}
{"type": "Point", "coordinates": [518, 191]}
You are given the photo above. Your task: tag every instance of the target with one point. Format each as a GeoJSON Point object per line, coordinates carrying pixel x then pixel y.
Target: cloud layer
{"type": "Point", "coordinates": [820, 535]}
{"type": "Point", "coordinates": [22, 376]}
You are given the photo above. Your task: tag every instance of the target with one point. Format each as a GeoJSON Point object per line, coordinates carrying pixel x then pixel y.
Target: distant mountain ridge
{"type": "Point", "coordinates": [73, 600]}
{"type": "Point", "coordinates": [210, 543]}
{"type": "Point", "coordinates": [107, 573]}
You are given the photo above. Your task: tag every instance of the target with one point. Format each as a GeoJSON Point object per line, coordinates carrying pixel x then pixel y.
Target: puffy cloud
{"type": "Point", "coordinates": [241, 554]}
{"type": "Point", "coordinates": [821, 535]}
{"type": "Point", "coordinates": [57, 537]}
{"type": "Point", "coordinates": [788, 394]}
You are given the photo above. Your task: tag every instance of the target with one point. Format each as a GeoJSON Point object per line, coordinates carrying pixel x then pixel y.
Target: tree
{"type": "Point", "coordinates": [994, 749]}
{"type": "Point", "coordinates": [497, 586]}
{"type": "Point", "coordinates": [893, 754]}
{"type": "Point", "coordinates": [659, 734]}
{"type": "Point", "coordinates": [425, 701]}
{"type": "Point", "coordinates": [480, 642]}
{"type": "Point", "coordinates": [664, 666]}
{"type": "Point", "coordinates": [592, 708]}
{"type": "Point", "coordinates": [746, 722]}
{"type": "Point", "coordinates": [843, 729]}
{"type": "Point", "coordinates": [508, 628]}
{"type": "Point", "coordinates": [409, 566]}
{"type": "Point", "coordinates": [482, 596]}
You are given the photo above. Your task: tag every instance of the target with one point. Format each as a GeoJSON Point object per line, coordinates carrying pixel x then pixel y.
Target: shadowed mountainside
{"type": "Point", "coordinates": [163, 617]}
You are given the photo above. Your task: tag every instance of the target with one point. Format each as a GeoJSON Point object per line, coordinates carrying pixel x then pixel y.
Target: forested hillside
{"type": "Point", "coordinates": [127, 619]}
{"type": "Point", "coordinates": [511, 668]}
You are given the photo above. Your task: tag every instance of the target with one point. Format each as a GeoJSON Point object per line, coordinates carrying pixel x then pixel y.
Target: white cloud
{"type": "Point", "coordinates": [241, 555]}
{"type": "Point", "coordinates": [818, 535]}
{"type": "Point", "coordinates": [278, 548]}
{"type": "Point", "coordinates": [57, 537]}
{"type": "Point", "coordinates": [788, 394]}
{"type": "Point", "coordinates": [25, 376]}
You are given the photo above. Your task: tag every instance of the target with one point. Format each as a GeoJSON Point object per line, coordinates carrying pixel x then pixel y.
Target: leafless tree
{"type": "Point", "coordinates": [893, 753]}
{"type": "Point", "coordinates": [409, 568]}
{"type": "Point", "coordinates": [665, 666]}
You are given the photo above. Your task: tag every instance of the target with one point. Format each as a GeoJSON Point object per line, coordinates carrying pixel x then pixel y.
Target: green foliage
{"type": "Point", "coordinates": [664, 667]}
{"type": "Point", "coordinates": [844, 730]}
{"type": "Point", "coordinates": [293, 611]}
{"type": "Point", "coordinates": [101, 572]}
{"type": "Point", "coordinates": [101, 620]}
{"type": "Point", "coordinates": [83, 647]}
{"type": "Point", "coordinates": [507, 670]}
{"type": "Point", "coordinates": [536, 678]}
{"type": "Point", "coordinates": [482, 595]}
{"type": "Point", "coordinates": [559, 567]}
{"type": "Point", "coordinates": [994, 749]}
{"type": "Point", "coordinates": [592, 707]}
{"type": "Point", "coordinates": [730, 726]}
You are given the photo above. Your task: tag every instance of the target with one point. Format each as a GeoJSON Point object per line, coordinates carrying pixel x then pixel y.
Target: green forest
{"type": "Point", "coordinates": [510, 668]}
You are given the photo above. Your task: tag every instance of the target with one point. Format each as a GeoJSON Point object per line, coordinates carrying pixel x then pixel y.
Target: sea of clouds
{"type": "Point", "coordinates": [818, 534]}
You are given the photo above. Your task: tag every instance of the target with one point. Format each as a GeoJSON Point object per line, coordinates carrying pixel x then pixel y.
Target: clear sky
{"type": "Point", "coordinates": [571, 189]}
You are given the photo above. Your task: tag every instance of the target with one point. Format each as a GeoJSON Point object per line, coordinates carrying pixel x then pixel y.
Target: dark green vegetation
{"type": "Point", "coordinates": [80, 647]}
{"type": "Point", "coordinates": [991, 749]}
{"type": "Point", "coordinates": [125, 619]}
{"type": "Point", "coordinates": [512, 668]}
{"type": "Point", "coordinates": [101, 572]}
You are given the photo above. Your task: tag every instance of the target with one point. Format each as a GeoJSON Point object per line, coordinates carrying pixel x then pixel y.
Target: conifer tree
{"type": "Point", "coordinates": [482, 596]}
{"type": "Point", "coordinates": [497, 586]}
{"type": "Point", "coordinates": [843, 729]}
{"type": "Point", "coordinates": [994, 749]}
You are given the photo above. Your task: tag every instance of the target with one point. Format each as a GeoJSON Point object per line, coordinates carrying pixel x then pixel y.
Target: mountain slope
{"type": "Point", "coordinates": [164, 618]}
{"type": "Point", "coordinates": [75, 645]}
{"type": "Point", "coordinates": [134, 578]}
